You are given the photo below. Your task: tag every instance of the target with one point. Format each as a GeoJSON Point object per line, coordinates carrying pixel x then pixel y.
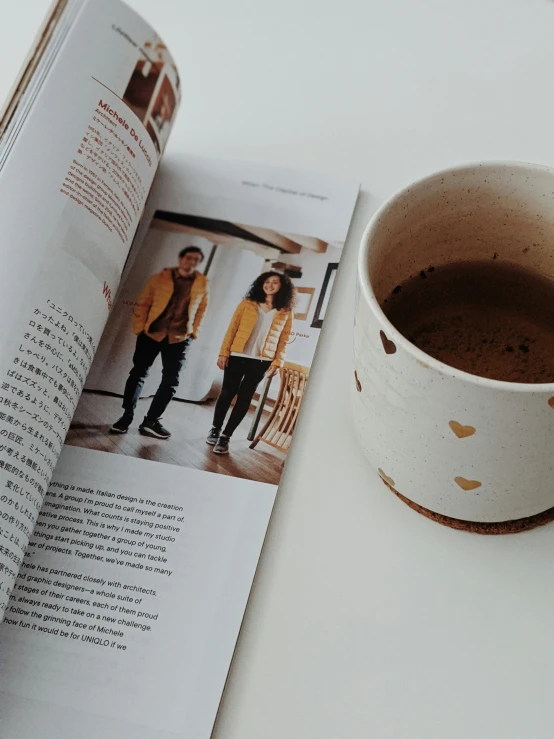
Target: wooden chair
{"type": "Point", "coordinates": [279, 427]}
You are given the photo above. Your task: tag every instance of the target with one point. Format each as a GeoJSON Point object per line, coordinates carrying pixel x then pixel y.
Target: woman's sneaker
{"type": "Point", "coordinates": [155, 429]}
{"type": "Point", "coordinates": [121, 426]}
{"type": "Point", "coordinates": [213, 436]}
{"type": "Point", "coordinates": [222, 445]}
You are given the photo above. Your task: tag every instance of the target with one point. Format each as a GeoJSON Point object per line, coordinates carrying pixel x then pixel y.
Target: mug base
{"type": "Point", "coordinates": [480, 527]}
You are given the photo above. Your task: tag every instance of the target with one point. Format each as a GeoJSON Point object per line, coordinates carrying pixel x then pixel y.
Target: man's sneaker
{"type": "Point", "coordinates": [121, 426]}
{"type": "Point", "coordinates": [155, 429]}
{"type": "Point", "coordinates": [213, 436]}
{"type": "Point", "coordinates": [222, 445]}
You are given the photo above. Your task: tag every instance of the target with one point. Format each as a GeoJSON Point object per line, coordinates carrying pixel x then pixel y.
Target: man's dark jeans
{"type": "Point", "coordinates": [146, 351]}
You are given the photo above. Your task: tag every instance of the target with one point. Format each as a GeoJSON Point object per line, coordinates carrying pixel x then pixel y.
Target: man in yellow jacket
{"type": "Point", "coordinates": [166, 318]}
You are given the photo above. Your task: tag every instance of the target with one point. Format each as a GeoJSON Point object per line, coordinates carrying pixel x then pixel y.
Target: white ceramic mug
{"type": "Point", "coordinates": [461, 448]}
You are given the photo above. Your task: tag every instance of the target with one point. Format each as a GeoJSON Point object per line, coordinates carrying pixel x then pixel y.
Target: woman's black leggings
{"type": "Point", "coordinates": [240, 378]}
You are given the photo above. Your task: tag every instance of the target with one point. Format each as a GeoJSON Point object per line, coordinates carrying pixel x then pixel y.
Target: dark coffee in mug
{"type": "Point", "coordinates": [488, 318]}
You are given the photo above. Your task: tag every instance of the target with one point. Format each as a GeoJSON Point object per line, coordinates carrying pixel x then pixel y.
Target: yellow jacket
{"type": "Point", "coordinates": [242, 324]}
{"type": "Point", "coordinates": [155, 298]}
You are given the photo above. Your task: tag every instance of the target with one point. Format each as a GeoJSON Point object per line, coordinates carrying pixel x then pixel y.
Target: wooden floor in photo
{"type": "Point", "coordinates": [189, 424]}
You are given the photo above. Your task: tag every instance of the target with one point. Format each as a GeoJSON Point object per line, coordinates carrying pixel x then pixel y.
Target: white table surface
{"type": "Point", "coordinates": [367, 620]}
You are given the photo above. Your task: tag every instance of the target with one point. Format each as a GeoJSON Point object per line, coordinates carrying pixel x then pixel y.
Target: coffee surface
{"type": "Point", "coordinates": [487, 318]}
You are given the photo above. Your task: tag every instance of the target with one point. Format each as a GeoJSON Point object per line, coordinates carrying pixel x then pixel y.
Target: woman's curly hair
{"type": "Point", "coordinates": [282, 300]}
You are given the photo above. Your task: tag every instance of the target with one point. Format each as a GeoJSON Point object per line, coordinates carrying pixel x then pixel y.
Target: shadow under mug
{"type": "Point", "coordinates": [467, 451]}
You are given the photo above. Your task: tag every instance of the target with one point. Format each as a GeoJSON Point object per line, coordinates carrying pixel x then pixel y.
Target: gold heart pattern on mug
{"type": "Point", "coordinates": [388, 345]}
{"type": "Point", "coordinates": [467, 484]}
{"type": "Point", "coordinates": [461, 431]}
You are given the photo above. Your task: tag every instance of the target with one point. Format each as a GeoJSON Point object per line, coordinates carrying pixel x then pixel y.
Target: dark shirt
{"type": "Point", "coordinates": [174, 320]}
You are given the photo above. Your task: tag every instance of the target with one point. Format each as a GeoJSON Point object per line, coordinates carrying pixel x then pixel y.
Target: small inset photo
{"type": "Point", "coordinates": [162, 111]}
{"type": "Point", "coordinates": [152, 92]}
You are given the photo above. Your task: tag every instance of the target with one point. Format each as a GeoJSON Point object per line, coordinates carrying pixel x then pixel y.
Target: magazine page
{"type": "Point", "coordinates": [146, 549]}
{"type": "Point", "coordinates": [77, 159]}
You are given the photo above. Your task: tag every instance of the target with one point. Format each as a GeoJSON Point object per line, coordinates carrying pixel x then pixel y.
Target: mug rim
{"type": "Point", "coordinates": [369, 294]}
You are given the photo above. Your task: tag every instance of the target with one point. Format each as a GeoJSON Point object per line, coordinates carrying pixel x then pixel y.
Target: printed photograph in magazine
{"type": "Point", "coordinates": [206, 357]}
{"type": "Point", "coordinates": [153, 90]}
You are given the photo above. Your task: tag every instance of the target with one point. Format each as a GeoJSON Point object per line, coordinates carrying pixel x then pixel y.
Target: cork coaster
{"type": "Point", "coordinates": [476, 527]}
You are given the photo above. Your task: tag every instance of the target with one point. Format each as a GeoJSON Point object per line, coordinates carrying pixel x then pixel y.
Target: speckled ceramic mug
{"type": "Point", "coordinates": [467, 451]}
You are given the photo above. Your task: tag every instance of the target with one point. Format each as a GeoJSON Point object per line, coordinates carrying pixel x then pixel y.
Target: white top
{"type": "Point", "coordinates": [256, 341]}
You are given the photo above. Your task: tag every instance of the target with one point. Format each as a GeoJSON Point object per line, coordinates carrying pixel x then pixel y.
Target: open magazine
{"type": "Point", "coordinates": [157, 343]}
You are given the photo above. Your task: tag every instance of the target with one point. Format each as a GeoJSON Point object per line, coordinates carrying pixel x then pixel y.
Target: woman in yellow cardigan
{"type": "Point", "coordinates": [253, 347]}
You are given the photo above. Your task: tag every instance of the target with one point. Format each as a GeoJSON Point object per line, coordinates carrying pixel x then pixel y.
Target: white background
{"type": "Point", "coordinates": [367, 620]}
